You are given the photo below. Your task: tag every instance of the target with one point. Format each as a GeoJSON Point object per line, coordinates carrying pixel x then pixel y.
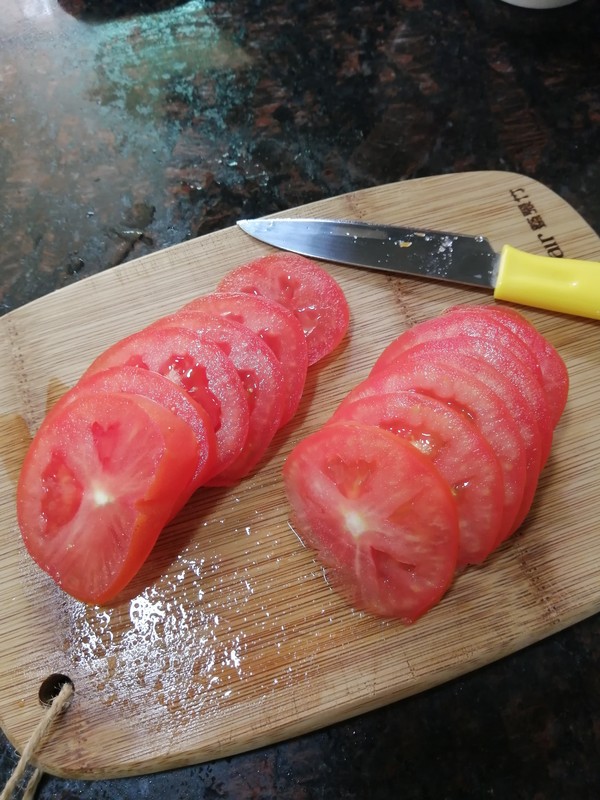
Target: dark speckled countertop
{"type": "Point", "coordinates": [126, 127]}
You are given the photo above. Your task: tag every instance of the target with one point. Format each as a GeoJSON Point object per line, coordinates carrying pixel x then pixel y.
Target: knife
{"type": "Point", "coordinates": [566, 285]}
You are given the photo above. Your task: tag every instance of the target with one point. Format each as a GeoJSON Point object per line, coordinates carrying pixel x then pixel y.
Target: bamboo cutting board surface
{"type": "Point", "coordinates": [230, 637]}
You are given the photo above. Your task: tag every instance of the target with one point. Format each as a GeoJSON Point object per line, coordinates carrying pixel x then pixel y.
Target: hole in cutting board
{"type": "Point", "coordinates": [51, 686]}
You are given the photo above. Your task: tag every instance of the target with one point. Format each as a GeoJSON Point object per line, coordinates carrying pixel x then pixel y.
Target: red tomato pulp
{"type": "Point", "coordinates": [302, 286]}
{"type": "Point", "coordinates": [379, 514]}
{"type": "Point", "coordinates": [98, 484]}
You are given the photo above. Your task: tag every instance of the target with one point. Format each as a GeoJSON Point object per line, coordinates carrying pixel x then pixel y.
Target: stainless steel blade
{"type": "Point", "coordinates": [426, 253]}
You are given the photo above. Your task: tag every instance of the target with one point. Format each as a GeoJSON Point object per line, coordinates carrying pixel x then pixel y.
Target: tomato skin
{"type": "Point", "coordinates": [134, 380]}
{"type": "Point", "coordinates": [276, 325]}
{"type": "Point", "coordinates": [456, 448]}
{"type": "Point", "coordinates": [302, 286]}
{"type": "Point", "coordinates": [261, 375]}
{"type": "Point", "coordinates": [379, 514]}
{"type": "Point", "coordinates": [195, 365]}
{"type": "Point", "coordinates": [98, 485]}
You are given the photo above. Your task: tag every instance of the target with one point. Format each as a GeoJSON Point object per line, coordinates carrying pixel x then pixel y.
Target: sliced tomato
{"type": "Point", "coordinates": [554, 371]}
{"type": "Point", "coordinates": [463, 391]}
{"type": "Point", "coordinates": [456, 351]}
{"type": "Point", "coordinates": [531, 399]}
{"type": "Point", "coordinates": [172, 397]}
{"type": "Point", "coordinates": [510, 378]}
{"type": "Point", "coordinates": [456, 448]}
{"type": "Point", "coordinates": [277, 327]}
{"type": "Point", "coordinates": [469, 322]}
{"type": "Point", "coordinates": [261, 375]}
{"type": "Point", "coordinates": [379, 514]}
{"type": "Point", "coordinates": [197, 366]}
{"type": "Point", "coordinates": [302, 286]}
{"type": "Point", "coordinates": [97, 487]}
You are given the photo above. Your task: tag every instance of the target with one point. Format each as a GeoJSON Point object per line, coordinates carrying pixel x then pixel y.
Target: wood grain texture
{"type": "Point", "coordinates": [230, 637]}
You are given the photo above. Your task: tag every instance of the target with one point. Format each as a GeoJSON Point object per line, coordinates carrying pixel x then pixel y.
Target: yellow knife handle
{"type": "Point", "coordinates": [557, 284]}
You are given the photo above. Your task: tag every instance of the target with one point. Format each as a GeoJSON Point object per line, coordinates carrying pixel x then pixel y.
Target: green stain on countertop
{"type": "Point", "coordinates": [145, 61]}
{"type": "Point", "coordinates": [89, 117]}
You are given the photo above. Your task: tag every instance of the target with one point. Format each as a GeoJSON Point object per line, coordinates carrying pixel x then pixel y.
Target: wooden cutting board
{"type": "Point", "coordinates": [230, 638]}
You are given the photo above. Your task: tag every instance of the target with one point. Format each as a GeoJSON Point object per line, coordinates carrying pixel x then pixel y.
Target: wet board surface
{"type": "Point", "coordinates": [230, 637]}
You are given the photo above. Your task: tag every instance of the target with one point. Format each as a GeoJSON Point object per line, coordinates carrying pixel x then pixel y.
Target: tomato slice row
{"type": "Point", "coordinates": [192, 400]}
{"type": "Point", "coordinates": [477, 394]}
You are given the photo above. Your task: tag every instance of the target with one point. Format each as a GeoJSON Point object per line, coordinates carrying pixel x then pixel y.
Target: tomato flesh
{"type": "Point", "coordinates": [530, 400]}
{"type": "Point", "coordinates": [520, 413]}
{"type": "Point", "coordinates": [496, 368]}
{"type": "Point", "coordinates": [97, 487]}
{"type": "Point", "coordinates": [261, 375]}
{"type": "Point", "coordinates": [158, 388]}
{"type": "Point", "coordinates": [470, 322]}
{"type": "Point", "coordinates": [275, 325]}
{"type": "Point", "coordinates": [464, 392]}
{"type": "Point", "coordinates": [456, 448]}
{"type": "Point", "coordinates": [379, 514]}
{"type": "Point", "coordinates": [197, 366]}
{"type": "Point", "coordinates": [302, 286]}
{"type": "Point", "coordinates": [552, 367]}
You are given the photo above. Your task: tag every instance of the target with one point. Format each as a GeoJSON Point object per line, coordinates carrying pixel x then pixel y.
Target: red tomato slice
{"type": "Point", "coordinates": [526, 396]}
{"type": "Point", "coordinates": [275, 325]}
{"type": "Point", "coordinates": [261, 375]}
{"type": "Point", "coordinates": [531, 398]}
{"type": "Point", "coordinates": [456, 448]}
{"type": "Point", "coordinates": [199, 367]}
{"type": "Point", "coordinates": [464, 392]}
{"type": "Point", "coordinates": [379, 514]}
{"type": "Point", "coordinates": [97, 487]}
{"type": "Point", "coordinates": [302, 286]}
{"type": "Point", "coordinates": [158, 388]}
{"type": "Point", "coordinates": [554, 371]}
{"type": "Point", "coordinates": [469, 322]}
{"type": "Point", "coordinates": [455, 351]}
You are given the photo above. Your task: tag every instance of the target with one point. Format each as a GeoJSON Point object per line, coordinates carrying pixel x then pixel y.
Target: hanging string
{"type": "Point", "coordinates": [57, 705]}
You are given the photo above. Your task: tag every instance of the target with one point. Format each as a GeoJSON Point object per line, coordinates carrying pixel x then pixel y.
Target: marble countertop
{"type": "Point", "coordinates": [126, 127]}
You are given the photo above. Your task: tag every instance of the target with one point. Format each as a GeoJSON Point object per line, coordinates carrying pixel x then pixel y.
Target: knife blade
{"type": "Point", "coordinates": [569, 286]}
